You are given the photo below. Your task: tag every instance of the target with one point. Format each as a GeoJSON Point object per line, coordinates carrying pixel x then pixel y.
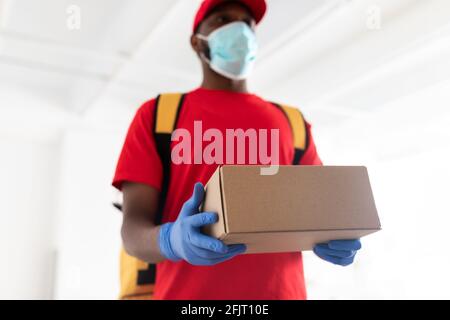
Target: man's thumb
{"type": "Point", "coordinates": [191, 206]}
{"type": "Point", "coordinates": [197, 195]}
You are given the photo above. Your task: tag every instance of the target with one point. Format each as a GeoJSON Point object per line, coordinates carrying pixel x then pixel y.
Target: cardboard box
{"type": "Point", "coordinates": [293, 210]}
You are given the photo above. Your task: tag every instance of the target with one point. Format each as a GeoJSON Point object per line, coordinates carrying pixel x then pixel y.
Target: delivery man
{"type": "Point", "coordinates": [189, 264]}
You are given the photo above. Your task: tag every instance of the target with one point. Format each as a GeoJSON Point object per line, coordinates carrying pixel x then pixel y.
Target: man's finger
{"type": "Point", "coordinates": [190, 207]}
{"type": "Point", "coordinates": [235, 252]}
{"type": "Point", "coordinates": [336, 253]}
{"type": "Point", "coordinates": [318, 251]}
{"type": "Point", "coordinates": [208, 254]}
{"type": "Point", "coordinates": [198, 194]}
{"type": "Point", "coordinates": [208, 243]}
{"type": "Point", "coordinates": [345, 244]}
{"type": "Point", "coordinates": [202, 219]}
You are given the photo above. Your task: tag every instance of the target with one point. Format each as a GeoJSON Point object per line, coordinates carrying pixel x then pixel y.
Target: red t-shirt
{"type": "Point", "coordinates": [252, 276]}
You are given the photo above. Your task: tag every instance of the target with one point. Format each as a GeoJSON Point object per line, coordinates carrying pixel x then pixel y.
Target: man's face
{"type": "Point", "coordinates": [222, 15]}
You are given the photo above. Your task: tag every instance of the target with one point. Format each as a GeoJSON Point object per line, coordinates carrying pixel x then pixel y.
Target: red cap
{"type": "Point", "coordinates": [256, 7]}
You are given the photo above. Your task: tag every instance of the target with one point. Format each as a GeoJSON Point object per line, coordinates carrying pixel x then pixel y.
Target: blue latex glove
{"type": "Point", "coordinates": [340, 252]}
{"type": "Point", "coordinates": [182, 239]}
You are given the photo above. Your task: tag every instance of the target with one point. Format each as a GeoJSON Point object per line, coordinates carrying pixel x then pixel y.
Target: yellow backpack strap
{"type": "Point", "coordinates": [167, 110]}
{"type": "Point", "coordinates": [138, 277]}
{"type": "Point", "coordinates": [299, 133]}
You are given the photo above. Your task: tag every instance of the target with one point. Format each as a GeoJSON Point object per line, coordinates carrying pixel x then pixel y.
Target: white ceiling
{"type": "Point", "coordinates": [137, 47]}
{"type": "Point", "coordinates": [319, 54]}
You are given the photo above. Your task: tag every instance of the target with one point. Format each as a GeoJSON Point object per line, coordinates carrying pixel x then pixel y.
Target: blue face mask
{"type": "Point", "coordinates": [232, 49]}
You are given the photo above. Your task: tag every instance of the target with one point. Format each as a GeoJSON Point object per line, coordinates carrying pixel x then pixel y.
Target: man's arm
{"type": "Point", "coordinates": [179, 240]}
{"type": "Point", "coordinates": [139, 232]}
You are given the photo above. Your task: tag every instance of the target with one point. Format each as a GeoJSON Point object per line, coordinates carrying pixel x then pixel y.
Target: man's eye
{"type": "Point", "coordinates": [222, 19]}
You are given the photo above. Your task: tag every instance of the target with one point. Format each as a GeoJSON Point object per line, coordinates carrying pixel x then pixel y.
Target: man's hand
{"type": "Point", "coordinates": [182, 240]}
{"type": "Point", "coordinates": [340, 252]}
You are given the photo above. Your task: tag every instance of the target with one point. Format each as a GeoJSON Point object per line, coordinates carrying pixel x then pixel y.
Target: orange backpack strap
{"type": "Point", "coordinates": [167, 110]}
{"type": "Point", "coordinates": [138, 277]}
{"type": "Point", "coordinates": [299, 132]}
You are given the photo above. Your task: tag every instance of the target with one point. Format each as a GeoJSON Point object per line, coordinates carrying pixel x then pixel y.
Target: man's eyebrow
{"type": "Point", "coordinates": [220, 10]}
{"type": "Point", "coordinates": [228, 14]}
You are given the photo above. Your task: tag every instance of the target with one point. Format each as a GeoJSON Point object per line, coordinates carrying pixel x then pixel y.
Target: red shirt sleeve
{"type": "Point", "coordinates": [311, 157]}
{"type": "Point", "coordinates": [139, 160]}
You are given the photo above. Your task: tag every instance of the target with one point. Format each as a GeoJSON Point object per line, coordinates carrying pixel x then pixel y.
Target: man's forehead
{"type": "Point", "coordinates": [230, 6]}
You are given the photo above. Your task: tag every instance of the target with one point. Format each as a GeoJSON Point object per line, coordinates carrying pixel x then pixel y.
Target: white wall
{"type": "Point", "coordinates": [407, 153]}
{"type": "Point", "coordinates": [28, 172]}
{"type": "Point", "coordinates": [59, 234]}
{"type": "Point", "coordinates": [88, 227]}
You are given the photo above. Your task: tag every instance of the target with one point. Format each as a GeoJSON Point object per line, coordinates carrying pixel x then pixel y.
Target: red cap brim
{"type": "Point", "coordinates": [257, 8]}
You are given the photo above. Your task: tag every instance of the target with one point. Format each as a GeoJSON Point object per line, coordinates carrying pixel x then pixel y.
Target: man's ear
{"type": "Point", "coordinates": [196, 44]}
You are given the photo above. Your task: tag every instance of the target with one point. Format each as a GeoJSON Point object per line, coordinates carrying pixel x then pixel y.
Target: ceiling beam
{"type": "Point", "coordinates": [432, 49]}
{"type": "Point", "coordinates": [315, 64]}
{"type": "Point", "coordinates": [40, 66]}
{"type": "Point", "coordinates": [147, 42]}
{"type": "Point", "coordinates": [312, 20]}
{"type": "Point", "coordinates": [55, 45]}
